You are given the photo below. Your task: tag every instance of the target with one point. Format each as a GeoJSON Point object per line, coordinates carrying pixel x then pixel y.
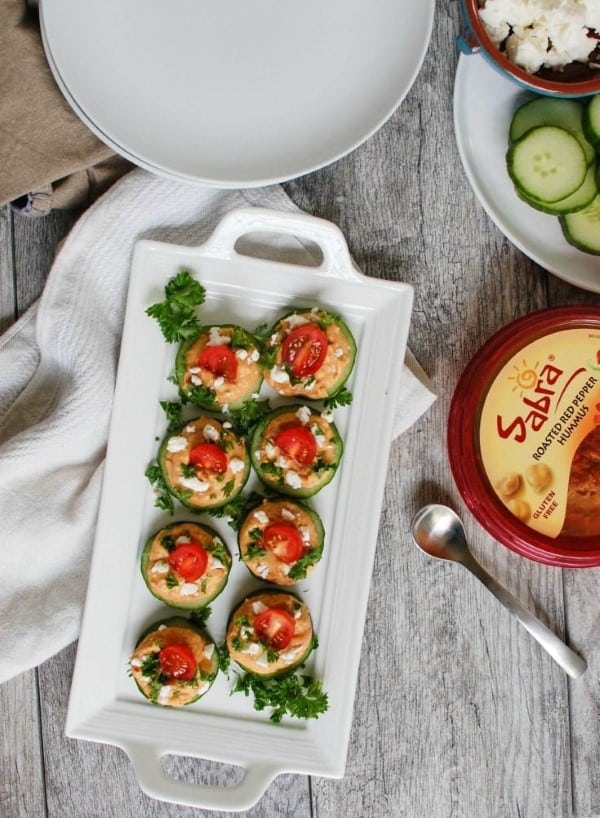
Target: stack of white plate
{"type": "Point", "coordinates": [235, 93]}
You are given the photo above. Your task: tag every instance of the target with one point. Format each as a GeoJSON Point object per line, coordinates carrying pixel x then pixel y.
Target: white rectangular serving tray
{"type": "Point", "coordinates": [105, 704]}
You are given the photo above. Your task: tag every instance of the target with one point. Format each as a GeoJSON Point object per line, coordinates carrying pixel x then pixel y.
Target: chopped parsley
{"type": "Point", "coordinates": [199, 617]}
{"type": "Point", "coordinates": [343, 397]}
{"type": "Point", "coordinates": [300, 567]}
{"type": "Point", "coordinates": [155, 477]}
{"type": "Point", "coordinates": [172, 410]}
{"type": "Point", "coordinates": [249, 414]}
{"type": "Point", "coordinates": [294, 695]}
{"type": "Point", "coordinates": [176, 315]}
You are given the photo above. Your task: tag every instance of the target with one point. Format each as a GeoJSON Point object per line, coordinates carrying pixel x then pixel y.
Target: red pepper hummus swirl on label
{"type": "Point", "coordinates": [524, 436]}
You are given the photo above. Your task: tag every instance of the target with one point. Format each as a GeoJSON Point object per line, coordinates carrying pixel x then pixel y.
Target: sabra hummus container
{"type": "Point", "coordinates": [524, 436]}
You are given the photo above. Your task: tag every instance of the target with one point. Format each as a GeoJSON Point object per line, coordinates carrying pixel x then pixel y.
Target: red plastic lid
{"type": "Point", "coordinates": [524, 436]}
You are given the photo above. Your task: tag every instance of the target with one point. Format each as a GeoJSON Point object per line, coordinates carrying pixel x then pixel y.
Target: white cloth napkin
{"type": "Point", "coordinates": [58, 366]}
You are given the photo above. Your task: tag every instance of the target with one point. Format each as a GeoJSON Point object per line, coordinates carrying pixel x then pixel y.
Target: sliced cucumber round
{"type": "Point", "coordinates": [195, 484]}
{"type": "Point", "coordinates": [150, 677]}
{"type": "Point", "coordinates": [253, 644]}
{"type": "Point", "coordinates": [547, 163]}
{"type": "Point", "coordinates": [226, 382]}
{"type": "Point", "coordinates": [279, 468]}
{"type": "Point", "coordinates": [316, 333]}
{"type": "Point", "coordinates": [167, 584]}
{"type": "Point", "coordinates": [590, 120]}
{"type": "Point", "coordinates": [562, 113]}
{"type": "Point", "coordinates": [582, 197]}
{"type": "Point", "coordinates": [582, 229]}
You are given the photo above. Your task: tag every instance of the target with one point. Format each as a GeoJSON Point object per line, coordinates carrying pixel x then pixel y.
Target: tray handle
{"type": "Point", "coordinates": [337, 261]}
{"type": "Point", "coordinates": [157, 784]}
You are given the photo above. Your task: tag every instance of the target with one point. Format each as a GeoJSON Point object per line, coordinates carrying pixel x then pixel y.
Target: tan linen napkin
{"type": "Point", "coordinates": [47, 155]}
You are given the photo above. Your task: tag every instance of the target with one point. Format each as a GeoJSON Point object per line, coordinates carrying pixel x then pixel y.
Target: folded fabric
{"type": "Point", "coordinates": [58, 365]}
{"type": "Point", "coordinates": [47, 154]}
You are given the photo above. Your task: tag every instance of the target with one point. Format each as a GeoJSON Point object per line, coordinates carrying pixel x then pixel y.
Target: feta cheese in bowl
{"type": "Point", "coordinates": [547, 46]}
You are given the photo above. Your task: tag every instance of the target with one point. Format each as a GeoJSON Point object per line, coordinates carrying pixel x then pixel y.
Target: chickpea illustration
{"type": "Point", "coordinates": [520, 509]}
{"type": "Point", "coordinates": [539, 476]}
{"type": "Point", "coordinates": [509, 484]}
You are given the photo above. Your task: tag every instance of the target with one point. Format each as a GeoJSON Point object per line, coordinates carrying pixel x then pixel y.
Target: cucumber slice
{"type": "Point", "coordinates": [576, 201]}
{"type": "Point", "coordinates": [547, 163]}
{"type": "Point", "coordinates": [562, 113]}
{"type": "Point", "coordinates": [590, 120]}
{"type": "Point", "coordinates": [582, 229]}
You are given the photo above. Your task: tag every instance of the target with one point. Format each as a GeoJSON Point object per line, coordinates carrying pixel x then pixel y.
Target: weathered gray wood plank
{"type": "Point", "coordinates": [7, 287]}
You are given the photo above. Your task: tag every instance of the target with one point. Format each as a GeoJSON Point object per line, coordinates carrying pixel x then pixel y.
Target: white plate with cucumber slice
{"type": "Point", "coordinates": [484, 103]}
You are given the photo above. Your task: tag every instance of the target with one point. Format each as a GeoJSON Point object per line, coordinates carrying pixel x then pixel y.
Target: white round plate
{"type": "Point", "coordinates": [483, 106]}
{"type": "Point", "coordinates": [235, 93]}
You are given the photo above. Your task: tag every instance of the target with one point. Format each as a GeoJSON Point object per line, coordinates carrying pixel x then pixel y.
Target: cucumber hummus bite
{"type": "Point", "coordinates": [204, 463]}
{"type": "Point", "coordinates": [312, 353]}
{"type": "Point", "coordinates": [281, 540]}
{"type": "Point", "coordinates": [296, 450]}
{"type": "Point", "coordinates": [174, 663]}
{"type": "Point", "coordinates": [185, 565]}
{"type": "Point", "coordinates": [219, 368]}
{"type": "Point", "coordinates": [270, 634]}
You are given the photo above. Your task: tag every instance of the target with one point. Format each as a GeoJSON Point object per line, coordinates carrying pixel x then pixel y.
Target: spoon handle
{"type": "Point", "coordinates": [568, 660]}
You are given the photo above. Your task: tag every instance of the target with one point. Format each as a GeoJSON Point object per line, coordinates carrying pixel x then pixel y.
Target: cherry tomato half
{"type": "Point", "coordinates": [220, 360]}
{"type": "Point", "coordinates": [304, 350]}
{"type": "Point", "coordinates": [210, 457]}
{"type": "Point", "coordinates": [275, 626]}
{"type": "Point", "coordinates": [298, 442]}
{"type": "Point", "coordinates": [283, 540]}
{"type": "Point", "coordinates": [189, 560]}
{"type": "Point", "coordinates": [177, 662]}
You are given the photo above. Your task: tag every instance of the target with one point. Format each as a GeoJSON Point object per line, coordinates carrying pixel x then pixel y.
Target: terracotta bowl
{"type": "Point", "coordinates": [575, 80]}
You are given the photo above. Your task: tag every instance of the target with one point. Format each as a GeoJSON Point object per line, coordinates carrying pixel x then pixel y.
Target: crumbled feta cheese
{"type": "Point", "coordinates": [281, 461]}
{"type": "Point", "coordinates": [218, 382]}
{"type": "Point", "coordinates": [225, 408]}
{"type": "Point", "coordinates": [252, 649]}
{"type": "Point", "coordinates": [176, 444]}
{"type": "Point", "coordinates": [295, 320]}
{"type": "Point", "coordinates": [211, 433]}
{"type": "Point", "coordinates": [161, 627]}
{"type": "Point", "coordinates": [339, 352]}
{"type": "Point", "coordinates": [246, 632]}
{"type": "Point", "coordinates": [279, 375]}
{"type": "Point", "coordinates": [327, 415]}
{"type": "Point", "coordinates": [164, 694]}
{"type": "Point", "coordinates": [216, 339]}
{"type": "Point", "coordinates": [215, 564]}
{"type": "Point", "coordinates": [161, 567]}
{"type": "Point", "coordinates": [303, 415]}
{"type": "Point", "coordinates": [310, 385]}
{"type": "Point", "coordinates": [183, 538]}
{"type": "Point", "coordinates": [286, 514]}
{"type": "Point", "coordinates": [288, 656]}
{"type": "Point", "coordinates": [286, 568]}
{"type": "Point", "coordinates": [304, 532]}
{"type": "Point", "coordinates": [236, 465]}
{"type": "Point", "coordinates": [241, 354]}
{"type": "Point", "coordinates": [190, 428]}
{"type": "Point", "coordinates": [270, 450]}
{"type": "Point", "coordinates": [208, 651]}
{"type": "Point", "coordinates": [262, 569]}
{"type": "Point", "coordinates": [263, 661]}
{"type": "Point", "coordinates": [194, 484]}
{"type": "Point", "coordinates": [196, 380]}
{"type": "Point", "coordinates": [226, 424]}
{"type": "Point", "coordinates": [195, 370]}
{"type": "Point", "coordinates": [258, 607]}
{"type": "Point", "coordinates": [135, 662]}
{"type": "Point", "coordinates": [542, 33]}
{"type": "Point", "coordinates": [297, 612]}
{"type": "Point", "coordinates": [292, 479]}
{"type": "Point", "coordinates": [261, 517]}
{"type": "Point", "coordinates": [254, 355]}
{"type": "Point", "coordinates": [188, 589]}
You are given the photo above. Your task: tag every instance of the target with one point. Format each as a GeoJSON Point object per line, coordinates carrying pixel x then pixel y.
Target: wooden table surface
{"type": "Point", "coordinates": [458, 712]}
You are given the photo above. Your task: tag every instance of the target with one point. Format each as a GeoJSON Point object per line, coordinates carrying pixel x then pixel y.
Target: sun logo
{"type": "Point", "coordinates": [525, 377]}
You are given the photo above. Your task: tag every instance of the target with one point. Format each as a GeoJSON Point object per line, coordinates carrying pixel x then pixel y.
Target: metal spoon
{"type": "Point", "coordinates": [439, 532]}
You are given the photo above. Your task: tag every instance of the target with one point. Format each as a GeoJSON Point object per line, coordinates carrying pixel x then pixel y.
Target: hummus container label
{"type": "Point", "coordinates": [539, 433]}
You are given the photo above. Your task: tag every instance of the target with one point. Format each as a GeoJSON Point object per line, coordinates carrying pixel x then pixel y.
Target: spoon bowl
{"type": "Point", "coordinates": [438, 531]}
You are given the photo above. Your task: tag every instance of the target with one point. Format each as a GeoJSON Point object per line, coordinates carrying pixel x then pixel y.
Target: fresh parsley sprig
{"type": "Point", "coordinates": [343, 397]}
{"type": "Point", "coordinates": [164, 499]}
{"type": "Point", "coordinates": [176, 315]}
{"type": "Point", "coordinates": [296, 695]}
